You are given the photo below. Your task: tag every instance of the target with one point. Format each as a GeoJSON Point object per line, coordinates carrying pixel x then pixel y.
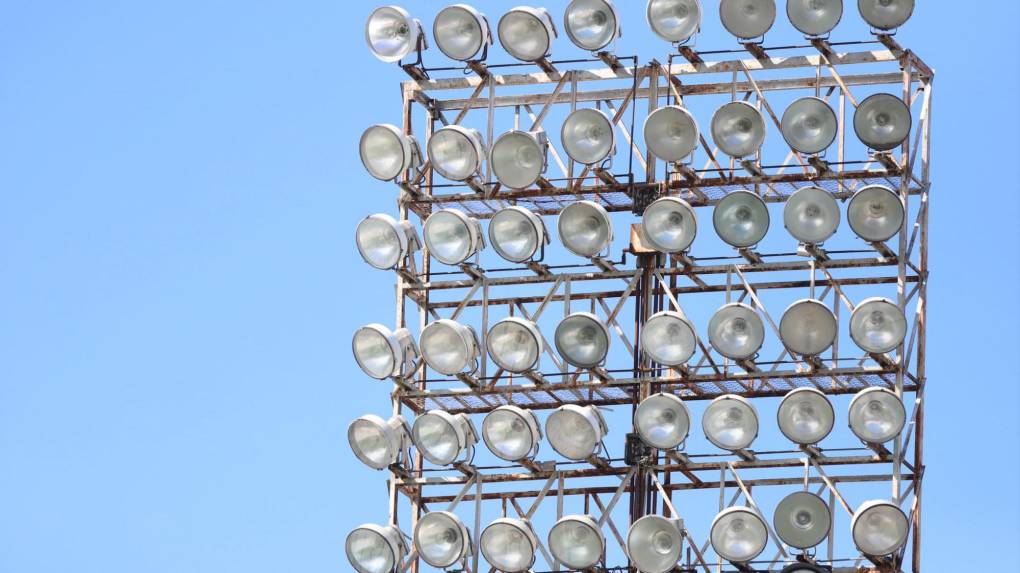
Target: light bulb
{"type": "Point", "coordinates": [739, 534]}
{"type": "Point", "coordinates": [736, 331]}
{"type": "Point", "coordinates": [452, 237]}
{"type": "Point", "coordinates": [802, 520]}
{"type": "Point", "coordinates": [511, 433]}
{"type": "Point", "coordinates": [814, 17]}
{"type": "Point", "coordinates": [886, 14]}
{"type": "Point", "coordinates": [730, 422]}
{"type": "Point", "coordinates": [738, 128]}
{"type": "Point", "coordinates": [654, 544]}
{"type": "Point", "coordinates": [668, 338]}
{"type": "Point", "coordinates": [671, 133]}
{"type": "Point", "coordinates": [461, 32]}
{"type": "Point", "coordinates": [669, 225]}
{"type": "Point", "coordinates": [875, 213]}
{"type": "Point", "coordinates": [516, 234]}
{"type": "Point", "coordinates": [809, 125]}
{"type": "Point", "coordinates": [741, 219]}
{"type": "Point", "coordinates": [442, 539]}
{"type": "Point", "coordinates": [882, 121]}
{"type": "Point", "coordinates": [591, 24]}
{"type": "Point", "coordinates": [587, 136]}
{"type": "Point", "coordinates": [879, 528]}
{"type": "Point", "coordinates": [582, 339]}
{"type": "Point", "coordinates": [527, 33]}
{"type": "Point", "coordinates": [382, 353]}
{"type": "Point", "coordinates": [811, 215]}
{"type": "Point", "coordinates": [674, 20]}
{"type": "Point", "coordinates": [877, 415]}
{"type": "Point", "coordinates": [377, 442]}
{"type": "Point", "coordinates": [518, 158]}
{"type": "Point", "coordinates": [509, 545]}
{"type": "Point", "coordinates": [663, 421]}
{"type": "Point", "coordinates": [449, 347]}
{"type": "Point", "coordinates": [877, 325]}
{"type": "Point", "coordinates": [391, 33]}
{"type": "Point", "coordinates": [441, 437]}
{"type": "Point", "coordinates": [747, 19]}
{"type": "Point", "coordinates": [456, 152]}
{"type": "Point", "coordinates": [808, 327]}
{"type": "Point", "coordinates": [575, 432]}
{"type": "Point", "coordinates": [386, 151]}
{"type": "Point", "coordinates": [375, 548]}
{"type": "Point", "coordinates": [515, 344]}
{"type": "Point", "coordinates": [577, 542]}
{"type": "Point", "coordinates": [383, 241]}
{"type": "Point", "coordinates": [806, 416]}
{"type": "Point", "coordinates": [585, 228]}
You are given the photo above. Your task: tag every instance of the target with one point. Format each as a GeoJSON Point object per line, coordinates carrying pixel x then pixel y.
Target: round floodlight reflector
{"type": "Point", "coordinates": [515, 344]}
{"type": "Point", "coordinates": [456, 152]}
{"type": "Point", "coordinates": [382, 241]}
{"type": "Point", "coordinates": [575, 432]}
{"type": "Point", "coordinates": [738, 128]}
{"type": "Point", "coordinates": [669, 225]}
{"type": "Point", "coordinates": [509, 545]}
{"type": "Point", "coordinates": [511, 433]}
{"type": "Point", "coordinates": [877, 325]}
{"type": "Point", "coordinates": [591, 24]}
{"type": "Point", "coordinates": [671, 133]}
{"type": "Point", "coordinates": [448, 347]}
{"type": "Point", "coordinates": [386, 152]}
{"type": "Point", "coordinates": [452, 237]}
{"type": "Point", "coordinates": [461, 32]}
{"type": "Point", "coordinates": [382, 353]}
{"type": "Point", "coordinates": [798, 567]}
{"type": "Point", "coordinates": [808, 327]}
{"type": "Point", "coordinates": [577, 542]}
{"type": "Point", "coordinates": [516, 234]}
{"type": "Point", "coordinates": [811, 215]}
{"type": "Point", "coordinates": [814, 17]}
{"type": "Point", "coordinates": [739, 534]}
{"type": "Point", "coordinates": [802, 520]}
{"type": "Point", "coordinates": [736, 331]}
{"type": "Point", "coordinates": [741, 219]}
{"type": "Point", "coordinates": [806, 416]}
{"type": "Point", "coordinates": [527, 33]}
{"type": "Point", "coordinates": [442, 539]}
{"type": "Point", "coordinates": [886, 14]}
{"type": "Point", "coordinates": [809, 125]}
{"type": "Point", "coordinates": [375, 549]}
{"type": "Point", "coordinates": [730, 422]}
{"type": "Point", "coordinates": [879, 528]}
{"type": "Point", "coordinates": [582, 339]}
{"type": "Point", "coordinates": [441, 437]}
{"type": "Point", "coordinates": [391, 33]}
{"type": "Point", "coordinates": [747, 19]}
{"type": "Point", "coordinates": [882, 121]}
{"type": "Point", "coordinates": [585, 228]}
{"type": "Point", "coordinates": [875, 213]}
{"type": "Point", "coordinates": [654, 544]}
{"type": "Point", "coordinates": [587, 136]}
{"type": "Point", "coordinates": [668, 338]}
{"type": "Point", "coordinates": [877, 415]}
{"type": "Point", "coordinates": [377, 442]}
{"type": "Point", "coordinates": [518, 158]}
{"type": "Point", "coordinates": [674, 20]}
{"type": "Point", "coordinates": [663, 421]}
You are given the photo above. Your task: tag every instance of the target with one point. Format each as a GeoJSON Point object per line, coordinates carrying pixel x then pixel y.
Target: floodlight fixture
{"type": "Point", "coordinates": [527, 33]}
{"type": "Point", "coordinates": [515, 344]}
{"type": "Point", "coordinates": [886, 15]}
{"type": "Point", "coordinates": [386, 151]}
{"type": "Point", "coordinates": [730, 422]}
{"type": "Point", "coordinates": [879, 528]}
{"type": "Point", "coordinates": [675, 21]}
{"type": "Point", "coordinates": [585, 228]}
{"type": "Point", "coordinates": [591, 24]}
{"type": "Point", "coordinates": [375, 548]}
{"type": "Point", "coordinates": [449, 347]}
{"type": "Point", "coordinates": [668, 338]}
{"type": "Point", "coordinates": [875, 213]}
{"type": "Point", "coordinates": [509, 545]}
{"type": "Point", "coordinates": [442, 437]}
{"type": "Point", "coordinates": [462, 33]}
{"type": "Point", "coordinates": [804, 567]}
{"type": "Point", "coordinates": [808, 327]}
{"type": "Point", "coordinates": [806, 416]}
{"type": "Point", "coordinates": [384, 242]}
{"type": "Point", "coordinates": [669, 225]}
{"type": "Point", "coordinates": [518, 158]}
{"type": "Point", "coordinates": [582, 339]}
{"type": "Point", "coordinates": [741, 219]}
{"type": "Point", "coordinates": [382, 353]}
{"type": "Point", "coordinates": [811, 215]}
{"type": "Point", "coordinates": [378, 442]}
{"type": "Point", "coordinates": [654, 544]}
{"type": "Point", "coordinates": [577, 541]}
{"type": "Point", "coordinates": [392, 34]}
{"type": "Point", "coordinates": [442, 539]}
{"type": "Point", "coordinates": [877, 415]}
{"type": "Point", "coordinates": [739, 534]}
{"type": "Point", "coordinates": [512, 433]}
{"type": "Point", "coordinates": [809, 125]}
{"type": "Point", "coordinates": [878, 325]}
{"type": "Point", "coordinates": [882, 121]}
{"type": "Point", "coordinates": [587, 136]}
{"type": "Point", "coordinates": [456, 152]}
{"type": "Point", "coordinates": [814, 18]}
{"type": "Point", "coordinates": [802, 520]}
{"type": "Point", "coordinates": [671, 133]}
{"type": "Point", "coordinates": [576, 432]}
{"type": "Point", "coordinates": [517, 234]}
{"type": "Point", "coordinates": [662, 421]}
{"type": "Point", "coordinates": [452, 237]}
{"type": "Point", "coordinates": [738, 128]}
{"type": "Point", "coordinates": [747, 19]}
{"type": "Point", "coordinates": [736, 331]}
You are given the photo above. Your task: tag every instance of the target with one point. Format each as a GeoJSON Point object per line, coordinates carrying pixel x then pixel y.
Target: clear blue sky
{"type": "Point", "coordinates": [180, 186]}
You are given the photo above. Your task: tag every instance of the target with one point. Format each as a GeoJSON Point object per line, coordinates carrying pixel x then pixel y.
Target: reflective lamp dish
{"type": "Point", "coordinates": [882, 122]}
{"type": "Point", "coordinates": [663, 421]}
{"type": "Point", "coordinates": [442, 539]}
{"type": "Point", "coordinates": [375, 548]}
{"type": "Point", "coordinates": [669, 225]}
{"type": "Point", "coordinates": [456, 152]}
{"type": "Point", "coordinates": [391, 33]}
{"type": "Point", "coordinates": [741, 219]}
{"type": "Point", "coordinates": [449, 347]}
{"type": "Point", "coordinates": [575, 432]}
{"type": "Point", "coordinates": [668, 338]}
{"type": "Point", "coordinates": [671, 133]}
{"type": "Point", "coordinates": [811, 215]}
{"type": "Point", "coordinates": [441, 437]}
{"type": "Point", "coordinates": [886, 14]}
{"type": "Point", "coordinates": [518, 158]}
{"type": "Point", "coordinates": [509, 545]}
{"type": "Point", "coordinates": [452, 237]}
{"type": "Point", "coordinates": [800, 567]}
{"type": "Point", "coordinates": [515, 344]}
{"type": "Point", "coordinates": [806, 416]}
{"type": "Point", "coordinates": [739, 534]}
{"type": "Point", "coordinates": [730, 422]}
{"type": "Point", "coordinates": [814, 17]}
{"type": "Point", "coordinates": [577, 542]}
{"type": "Point", "coordinates": [383, 241]}
{"type": "Point", "coordinates": [386, 151]}
{"type": "Point", "coordinates": [747, 19]}
{"type": "Point", "coordinates": [654, 544]}
{"type": "Point", "coordinates": [875, 213]}
{"type": "Point", "coordinates": [877, 415]}
{"type": "Point", "coordinates": [461, 32]}
{"type": "Point", "coordinates": [736, 331]}
{"type": "Point", "coordinates": [738, 128]}
{"type": "Point", "coordinates": [879, 528]}
{"type": "Point", "coordinates": [585, 228]}
{"type": "Point", "coordinates": [802, 520]}
{"type": "Point", "coordinates": [582, 339]}
{"type": "Point", "coordinates": [527, 33]}
{"type": "Point", "coordinates": [808, 327]}
{"type": "Point", "coordinates": [587, 136]}
{"type": "Point", "coordinates": [517, 234]}
{"type": "Point", "coordinates": [382, 353]}
{"type": "Point", "coordinates": [809, 125]}
{"type": "Point", "coordinates": [674, 20]}
{"type": "Point", "coordinates": [591, 24]}
{"type": "Point", "coordinates": [377, 442]}
{"type": "Point", "coordinates": [877, 325]}
{"type": "Point", "coordinates": [511, 433]}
